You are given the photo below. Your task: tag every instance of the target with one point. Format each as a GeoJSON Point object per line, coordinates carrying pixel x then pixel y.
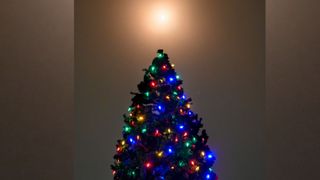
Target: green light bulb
{"type": "Point", "coordinates": [144, 130]}
{"type": "Point", "coordinates": [147, 94]}
{"type": "Point", "coordinates": [153, 69]}
{"type": "Point", "coordinates": [177, 77]}
{"type": "Point", "coordinates": [129, 109]}
{"type": "Point", "coordinates": [160, 55]}
{"type": "Point", "coordinates": [181, 163]}
{"type": "Point", "coordinates": [187, 144]}
{"type": "Point", "coordinates": [194, 139]}
{"type": "Point", "coordinates": [127, 129]}
{"type": "Point", "coordinates": [175, 93]}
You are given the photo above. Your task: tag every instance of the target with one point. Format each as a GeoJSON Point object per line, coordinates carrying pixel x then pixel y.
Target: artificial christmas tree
{"type": "Point", "coordinates": [161, 137]}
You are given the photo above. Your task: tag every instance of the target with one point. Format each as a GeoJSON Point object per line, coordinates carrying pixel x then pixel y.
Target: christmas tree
{"type": "Point", "coordinates": [161, 137]}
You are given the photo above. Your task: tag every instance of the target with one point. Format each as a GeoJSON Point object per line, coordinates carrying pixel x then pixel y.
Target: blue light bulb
{"type": "Point", "coordinates": [171, 79]}
{"type": "Point", "coordinates": [208, 176]}
{"type": "Point", "coordinates": [210, 156]}
{"type": "Point", "coordinates": [170, 150]}
{"type": "Point", "coordinates": [181, 126]}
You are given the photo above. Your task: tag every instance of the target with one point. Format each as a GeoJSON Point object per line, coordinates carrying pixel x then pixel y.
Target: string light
{"type": "Point", "coordinates": [194, 139]}
{"type": "Point", "coordinates": [148, 165]}
{"type": "Point", "coordinates": [169, 130]}
{"type": "Point", "coordinates": [185, 134]}
{"type": "Point", "coordinates": [188, 105]}
{"type": "Point", "coordinates": [208, 176]}
{"type": "Point", "coordinates": [164, 67]}
{"type": "Point", "coordinates": [129, 109]}
{"type": "Point", "coordinates": [118, 149]}
{"type": "Point", "coordinates": [170, 150]}
{"type": "Point", "coordinates": [172, 65]}
{"type": "Point", "coordinates": [123, 142]}
{"type": "Point", "coordinates": [144, 130]}
{"type": "Point", "coordinates": [153, 69]}
{"type": "Point", "coordinates": [159, 154]}
{"type": "Point", "coordinates": [127, 129]}
{"type": "Point", "coordinates": [157, 133]}
{"type": "Point", "coordinates": [168, 97]}
{"type": "Point", "coordinates": [147, 94]}
{"type": "Point", "coordinates": [203, 153]}
{"type": "Point", "coordinates": [181, 126]}
{"type": "Point", "coordinates": [177, 77]}
{"type": "Point", "coordinates": [140, 118]}
{"type": "Point", "coordinates": [192, 162]}
{"type": "Point", "coordinates": [153, 84]}
{"type": "Point", "coordinates": [187, 144]}
{"type": "Point", "coordinates": [197, 168]}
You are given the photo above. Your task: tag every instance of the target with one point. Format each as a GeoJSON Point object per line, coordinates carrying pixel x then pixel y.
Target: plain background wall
{"type": "Point", "coordinates": [36, 103]}
{"type": "Point", "coordinates": [293, 89]}
{"type": "Point", "coordinates": [222, 65]}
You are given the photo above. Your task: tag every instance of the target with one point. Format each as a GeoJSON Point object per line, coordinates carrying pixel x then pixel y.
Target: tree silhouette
{"type": "Point", "coordinates": [161, 137]}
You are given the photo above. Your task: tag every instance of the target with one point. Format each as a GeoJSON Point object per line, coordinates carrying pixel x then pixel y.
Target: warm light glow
{"type": "Point", "coordinates": [162, 16]}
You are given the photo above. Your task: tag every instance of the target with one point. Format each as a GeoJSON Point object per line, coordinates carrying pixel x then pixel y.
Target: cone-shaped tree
{"type": "Point", "coordinates": [161, 138]}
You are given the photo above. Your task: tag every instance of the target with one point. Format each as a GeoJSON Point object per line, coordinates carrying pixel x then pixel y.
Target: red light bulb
{"type": "Point", "coordinates": [153, 84]}
{"type": "Point", "coordinates": [164, 67]}
{"type": "Point", "coordinates": [148, 165]}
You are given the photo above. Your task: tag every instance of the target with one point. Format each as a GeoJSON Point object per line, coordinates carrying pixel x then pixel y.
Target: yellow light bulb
{"type": "Point", "coordinates": [203, 153]}
{"type": "Point", "coordinates": [188, 106]}
{"type": "Point", "coordinates": [197, 168]}
{"type": "Point", "coordinates": [169, 130]}
{"type": "Point", "coordinates": [159, 154]}
{"type": "Point", "coordinates": [140, 118]}
{"type": "Point", "coordinates": [123, 142]}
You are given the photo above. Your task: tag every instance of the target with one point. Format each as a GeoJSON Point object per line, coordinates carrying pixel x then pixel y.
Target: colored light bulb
{"type": "Point", "coordinates": [185, 134]}
{"type": "Point", "coordinates": [194, 139]}
{"type": "Point", "coordinates": [153, 84]}
{"type": "Point", "coordinates": [148, 165]}
{"type": "Point", "coordinates": [181, 126]}
{"type": "Point", "coordinates": [171, 79]}
{"type": "Point", "coordinates": [210, 156]}
{"type": "Point", "coordinates": [187, 144]}
{"type": "Point", "coordinates": [123, 142]}
{"type": "Point", "coordinates": [160, 154]}
{"type": "Point", "coordinates": [172, 65]}
{"type": "Point", "coordinates": [168, 97]}
{"type": "Point", "coordinates": [177, 77]}
{"type": "Point", "coordinates": [202, 153]}
{"type": "Point", "coordinates": [188, 105]}
{"type": "Point", "coordinates": [129, 109]}
{"type": "Point", "coordinates": [153, 69]}
{"type": "Point", "coordinates": [183, 97]}
{"type": "Point", "coordinates": [197, 168]}
{"type": "Point", "coordinates": [144, 130]}
{"type": "Point", "coordinates": [140, 118]}
{"type": "Point", "coordinates": [127, 129]}
{"type": "Point", "coordinates": [147, 94]}
{"type": "Point", "coordinates": [208, 176]}
{"type": "Point", "coordinates": [164, 67]}
{"type": "Point", "coordinates": [169, 130]}
{"type": "Point", "coordinates": [192, 162]}
{"type": "Point", "coordinates": [160, 55]}
{"type": "Point", "coordinates": [170, 150]}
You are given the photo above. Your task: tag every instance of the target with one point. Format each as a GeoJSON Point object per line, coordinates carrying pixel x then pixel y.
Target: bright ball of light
{"type": "Point", "coordinates": [162, 16]}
